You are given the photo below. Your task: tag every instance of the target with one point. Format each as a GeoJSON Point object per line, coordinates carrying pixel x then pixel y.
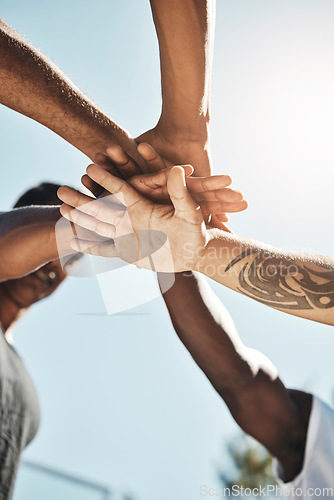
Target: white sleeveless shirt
{"type": "Point", "coordinates": [316, 480]}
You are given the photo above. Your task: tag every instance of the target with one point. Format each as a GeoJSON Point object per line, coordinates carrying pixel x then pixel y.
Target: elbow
{"type": "Point", "coordinates": [253, 371]}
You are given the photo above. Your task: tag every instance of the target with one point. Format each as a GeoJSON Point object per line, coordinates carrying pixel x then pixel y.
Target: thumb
{"type": "Point", "coordinates": [185, 206]}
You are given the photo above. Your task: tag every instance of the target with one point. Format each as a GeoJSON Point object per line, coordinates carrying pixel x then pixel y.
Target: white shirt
{"type": "Point", "coordinates": [316, 480]}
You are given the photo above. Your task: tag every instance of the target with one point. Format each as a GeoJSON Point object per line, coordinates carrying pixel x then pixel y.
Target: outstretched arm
{"type": "Point", "coordinates": [299, 284]}
{"type": "Point", "coordinates": [296, 283]}
{"type": "Point", "coordinates": [185, 30]}
{"type": "Point", "coordinates": [28, 239]}
{"type": "Point", "coordinates": [35, 87]}
{"type": "Point", "coordinates": [244, 377]}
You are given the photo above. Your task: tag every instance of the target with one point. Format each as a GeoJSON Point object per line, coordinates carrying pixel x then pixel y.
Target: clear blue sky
{"type": "Point", "coordinates": [122, 402]}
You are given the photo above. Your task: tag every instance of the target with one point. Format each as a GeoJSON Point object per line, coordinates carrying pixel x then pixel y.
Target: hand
{"type": "Point", "coordinates": [164, 238]}
{"type": "Point", "coordinates": [176, 149]}
{"type": "Point", "coordinates": [119, 163]}
{"type": "Point", "coordinates": [211, 193]}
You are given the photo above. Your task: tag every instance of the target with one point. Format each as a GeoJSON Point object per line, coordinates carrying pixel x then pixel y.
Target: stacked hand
{"type": "Point", "coordinates": [212, 193]}
{"type": "Point", "coordinates": [176, 150]}
{"type": "Point", "coordinates": [159, 214]}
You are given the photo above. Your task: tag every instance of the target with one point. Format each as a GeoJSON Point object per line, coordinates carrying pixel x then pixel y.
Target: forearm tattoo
{"type": "Point", "coordinates": [280, 282]}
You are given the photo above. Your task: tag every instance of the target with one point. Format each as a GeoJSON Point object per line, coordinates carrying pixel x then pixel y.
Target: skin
{"type": "Point", "coordinates": [30, 269]}
{"type": "Point", "coordinates": [34, 86]}
{"type": "Point", "coordinates": [117, 162]}
{"type": "Point", "coordinates": [17, 295]}
{"type": "Point", "coordinates": [299, 284]}
{"type": "Point", "coordinates": [186, 48]}
{"type": "Point", "coordinates": [27, 240]}
{"type": "Point", "coordinates": [100, 223]}
{"type": "Point", "coordinates": [211, 193]}
{"type": "Point", "coordinates": [188, 143]}
{"type": "Point", "coordinates": [246, 380]}
{"type": "Point", "coordinates": [30, 237]}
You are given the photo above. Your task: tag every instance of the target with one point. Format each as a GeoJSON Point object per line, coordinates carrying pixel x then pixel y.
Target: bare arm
{"type": "Point", "coordinates": [28, 240]}
{"type": "Point", "coordinates": [296, 283]}
{"type": "Point", "coordinates": [35, 87]}
{"type": "Point", "coordinates": [185, 30]}
{"type": "Point", "coordinates": [299, 284]}
{"type": "Point", "coordinates": [244, 378]}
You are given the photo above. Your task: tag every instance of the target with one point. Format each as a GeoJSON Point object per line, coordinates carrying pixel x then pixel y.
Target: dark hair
{"type": "Point", "coordinates": [44, 193]}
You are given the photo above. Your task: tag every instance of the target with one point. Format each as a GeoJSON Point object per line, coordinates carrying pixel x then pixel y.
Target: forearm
{"type": "Point", "coordinates": [185, 30]}
{"type": "Point", "coordinates": [208, 332]}
{"type": "Point", "coordinates": [28, 240]}
{"type": "Point", "coordinates": [299, 284]}
{"type": "Point", "coordinates": [243, 377]}
{"type": "Point", "coordinates": [35, 87]}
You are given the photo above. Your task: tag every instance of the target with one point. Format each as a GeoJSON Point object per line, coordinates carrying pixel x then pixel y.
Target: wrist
{"type": "Point", "coordinates": [98, 132]}
{"type": "Point", "coordinates": [193, 128]}
{"type": "Point", "coordinates": [217, 253]}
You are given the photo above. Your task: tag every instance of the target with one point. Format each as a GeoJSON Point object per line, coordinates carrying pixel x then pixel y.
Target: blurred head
{"type": "Point", "coordinates": [40, 284]}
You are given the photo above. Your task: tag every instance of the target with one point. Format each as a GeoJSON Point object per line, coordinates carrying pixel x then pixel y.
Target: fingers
{"type": "Point", "coordinates": [188, 170]}
{"type": "Point", "coordinates": [87, 222]}
{"type": "Point", "coordinates": [118, 163]}
{"type": "Point", "coordinates": [216, 222]}
{"type": "Point", "coordinates": [151, 157]}
{"type": "Point", "coordinates": [214, 189]}
{"type": "Point", "coordinates": [102, 249]}
{"type": "Point", "coordinates": [199, 184]}
{"type": "Point", "coordinates": [123, 163]}
{"type": "Point", "coordinates": [104, 209]}
{"type": "Point", "coordinates": [222, 217]}
{"type": "Point", "coordinates": [185, 206]}
{"type": "Point", "coordinates": [103, 161]}
{"type": "Point", "coordinates": [124, 192]}
{"type": "Point", "coordinates": [153, 181]}
{"type": "Point", "coordinates": [73, 197]}
{"type": "Point", "coordinates": [225, 194]}
{"type": "Point", "coordinates": [218, 207]}
{"type": "Point", "coordinates": [94, 188]}
{"type": "Point", "coordinates": [154, 185]}
{"type": "Point", "coordinates": [158, 179]}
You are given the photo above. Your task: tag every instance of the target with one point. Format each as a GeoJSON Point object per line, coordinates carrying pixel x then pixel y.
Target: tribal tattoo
{"type": "Point", "coordinates": [280, 282]}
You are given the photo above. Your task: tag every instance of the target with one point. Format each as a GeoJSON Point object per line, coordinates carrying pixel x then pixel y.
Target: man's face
{"type": "Point", "coordinates": [35, 286]}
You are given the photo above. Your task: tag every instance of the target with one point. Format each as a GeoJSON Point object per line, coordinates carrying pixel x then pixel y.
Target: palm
{"type": "Point", "coordinates": [160, 237]}
{"type": "Point", "coordinates": [157, 237]}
